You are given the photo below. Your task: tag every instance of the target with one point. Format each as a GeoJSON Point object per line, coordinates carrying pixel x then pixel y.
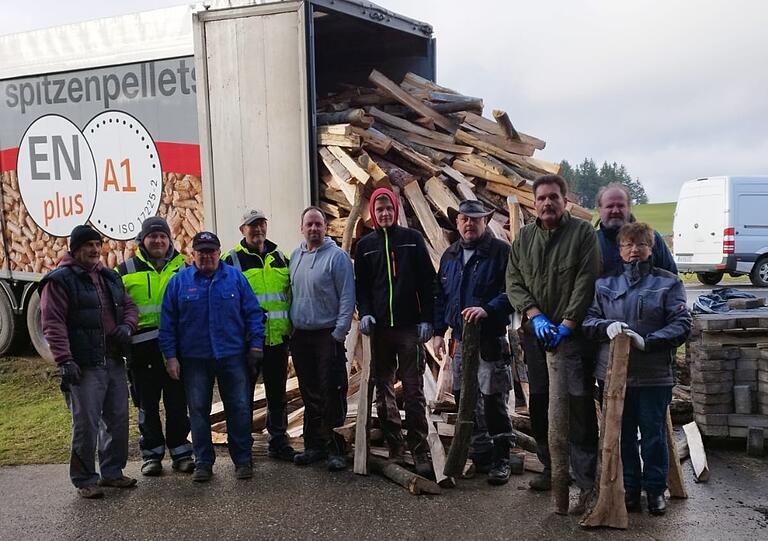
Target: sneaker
{"type": "Point", "coordinates": [500, 472]}
{"type": "Point", "coordinates": [541, 482]}
{"type": "Point", "coordinates": [202, 473]}
{"type": "Point", "coordinates": [422, 465]}
{"type": "Point", "coordinates": [309, 456]}
{"type": "Point", "coordinates": [90, 492]}
{"type": "Point", "coordinates": [152, 468]}
{"type": "Point", "coordinates": [516, 463]}
{"type": "Point", "coordinates": [284, 453]}
{"type": "Point", "coordinates": [337, 463]}
{"type": "Point", "coordinates": [585, 494]}
{"type": "Point", "coordinates": [184, 465]}
{"type": "Point", "coordinates": [244, 471]}
{"type": "Point", "coordinates": [120, 482]}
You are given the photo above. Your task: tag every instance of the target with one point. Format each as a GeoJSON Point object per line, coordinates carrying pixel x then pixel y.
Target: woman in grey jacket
{"type": "Point", "coordinates": [649, 305]}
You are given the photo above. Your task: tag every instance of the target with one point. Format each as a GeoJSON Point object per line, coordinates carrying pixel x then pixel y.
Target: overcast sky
{"type": "Point", "coordinates": [673, 89]}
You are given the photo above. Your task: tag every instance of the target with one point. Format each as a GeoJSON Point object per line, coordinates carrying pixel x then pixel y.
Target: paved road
{"type": "Point", "coordinates": [286, 502]}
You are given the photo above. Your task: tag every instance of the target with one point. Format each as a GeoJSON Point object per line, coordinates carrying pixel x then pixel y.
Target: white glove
{"type": "Point", "coordinates": [615, 329]}
{"type": "Point", "coordinates": [637, 341]}
{"type": "Point", "coordinates": [366, 324]}
{"type": "Point", "coordinates": [425, 332]}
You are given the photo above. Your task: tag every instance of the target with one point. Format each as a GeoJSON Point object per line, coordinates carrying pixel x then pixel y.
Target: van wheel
{"type": "Point", "coordinates": [709, 278]}
{"type": "Point", "coordinates": [35, 327]}
{"type": "Point", "coordinates": [759, 274]}
{"type": "Point", "coordinates": [7, 324]}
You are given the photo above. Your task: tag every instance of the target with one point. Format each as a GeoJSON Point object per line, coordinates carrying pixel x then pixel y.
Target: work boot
{"type": "Point", "coordinates": [585, 494]}
{"type": "Point", "coordinates": [396, 452]}
{"type": "Point", "coordinates": [309, 456]}
{"type": "Point", "coordinates": [120, 482]}
{"type": "Point", "coordinates": [657, 504]}
{"type": "Point", "coordinates": [632, 500]}
{"type": "Point", "coordinates": [285, 452]}
{"type": "Point", "coordinates": [152, 468]}
{"type": "Point", "coordinates": [499, 474]}
{"type": "Point", "coordinates": [184, 465]}
{"type": "Point", "coordinates": [244, 471]}
{"type": "Point", "coordinates": [516, 463]}
{"type": "Point", "coordinates": [541, 482]}
{"type": "Point", "coordinates": [90, 492]}
{"type": "Point", "coordinates": [203, 473]}
{"type": "Point", "coordinates": [422, 465]}
{"type": "Point", "coordinates": [337, 463]}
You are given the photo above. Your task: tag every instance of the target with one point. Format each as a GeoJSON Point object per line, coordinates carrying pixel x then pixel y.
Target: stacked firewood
{"type": "Point", "coordinates": [434, 148]}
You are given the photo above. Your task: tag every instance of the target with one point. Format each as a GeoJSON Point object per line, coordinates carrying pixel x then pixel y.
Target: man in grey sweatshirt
{"type": "Point", "coordinates": [323, 291]}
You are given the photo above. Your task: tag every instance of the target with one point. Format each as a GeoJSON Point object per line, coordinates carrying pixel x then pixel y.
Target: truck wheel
{"type": "Point", "coordinates": [709, 278]}
{"type": "Point", "coordinates": [7, 324]}
{"type": "Point", "coordinates": [35, 327]}
{"type": "Point", "coordinates": [759, 274]}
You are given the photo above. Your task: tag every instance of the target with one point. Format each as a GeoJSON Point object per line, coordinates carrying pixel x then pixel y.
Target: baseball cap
{"type": "Point", "coordinates": [251, 216]}
{"type": "Point", "coordinates": [205, 240]}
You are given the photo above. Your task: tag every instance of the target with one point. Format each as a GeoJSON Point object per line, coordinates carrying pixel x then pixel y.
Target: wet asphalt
{"type": "Point", "coordinates": [283, 501]}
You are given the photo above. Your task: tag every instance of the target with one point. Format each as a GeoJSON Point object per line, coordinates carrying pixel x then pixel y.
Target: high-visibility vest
{"type": "Point", "coordinates": [270, 280]}
{"type": "Point", "coordinates": [146, 286]}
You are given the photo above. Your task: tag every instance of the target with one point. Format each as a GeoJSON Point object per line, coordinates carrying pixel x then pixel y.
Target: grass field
{"type": "Point", "coordinates": [658, 215]}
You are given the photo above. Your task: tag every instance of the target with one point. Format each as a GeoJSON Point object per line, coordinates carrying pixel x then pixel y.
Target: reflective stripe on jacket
{"type": "Point", "coordinates": [269, 278]}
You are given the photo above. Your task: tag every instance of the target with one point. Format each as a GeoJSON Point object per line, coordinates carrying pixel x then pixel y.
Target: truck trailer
{"type": "Point", "coordinates": [192, 113]}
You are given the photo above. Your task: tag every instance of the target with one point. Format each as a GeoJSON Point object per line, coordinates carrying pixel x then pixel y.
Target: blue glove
{"type": "Point", "coordinates": [562, 331]}
{"type": "Point", "coordinates": [544, 329]}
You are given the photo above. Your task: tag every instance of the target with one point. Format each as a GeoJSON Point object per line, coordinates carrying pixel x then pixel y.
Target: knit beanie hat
{"type": "Point", "coordinates": [154, 224]}
{"type": "Point", "coordinates": [80, 235]}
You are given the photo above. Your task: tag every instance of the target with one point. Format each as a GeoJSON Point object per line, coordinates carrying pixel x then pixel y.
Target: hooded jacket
{"type": "Point", "coordinates": [323, 289]}
{"type": "Point", "coordinates": [394, 276]}
{"type": "Point", "coordinates": [612, 263]}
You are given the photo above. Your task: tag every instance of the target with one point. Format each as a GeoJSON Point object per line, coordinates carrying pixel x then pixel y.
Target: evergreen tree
{"type": "Point", "coordinates": [585, 180]}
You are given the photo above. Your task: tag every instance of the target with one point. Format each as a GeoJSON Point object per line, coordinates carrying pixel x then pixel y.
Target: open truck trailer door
{"type": "Point", "coordinates": [260, 69]}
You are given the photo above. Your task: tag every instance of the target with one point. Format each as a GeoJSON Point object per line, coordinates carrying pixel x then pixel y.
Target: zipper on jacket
{"type": "Point", "coordinates": [149, 287]}
{"type": "Point", "coordinates": [389, 277]}
{"type": "Point", "coordinates": [640, 308]}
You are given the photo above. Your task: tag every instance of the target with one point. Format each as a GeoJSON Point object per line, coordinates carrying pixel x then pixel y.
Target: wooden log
{"type": "Point", "coordinates": [470, 362]}
{"type": "Point", "coordinates": [440, 195]}
{"type": "Point", "coordinates": [675, 479]}
{"type": "Point", "coordinates": [377, 173]}
{"type": "Point", "coordinates": [436, 449]}
{"type": "Point", "coordinates": [357, 117]}
{"type": "Point", "coordinates": [362, 460]}
{"type": "Point", "coordinates": [335, 167]}
{"type": "Point", "coordinates": [418, 159]}
{"type": "Point", "coordinates": [400, 136]}
{"type": "Point", "coordinates": [373, 140]}
{"type": "Point", "coordinates": [431, 228]}
{"type": "Point", "coordinates": [397, 175]}
{"type": "Point", "coordinates": [381, 81]}
{"type": "Point", "coordinates": [409, 127]}
{"type": "Point", "coordinates": [558, 430]}
{"type": "Point", "coordinates": [456, 176]}
{"type": "Point", "coordinates": [335, 129]}
{"type": "Point", "coordinates": [415, 484]}
{"type": "Point", "coordinates": [466, 192]}
{"type": "Point", "coordinates": [489, 126]}
{"type": "Point", "coordinates": [349, 164]}
{"type": "Point", "coordinates": [697, 453]}
{"type": "Point", "coordinates": [515, 220]}
{"type": "Point", "coordinates": [354, 216]}
{"type": "Point", "coordinates": [609, 509]}
{"type": "Point", "coordinates": [502, 119]}
{"type": "Point", "coordinates": [515, 147]}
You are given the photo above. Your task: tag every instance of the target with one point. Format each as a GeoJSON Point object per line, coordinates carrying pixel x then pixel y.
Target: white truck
{"type": "Point", "coordinates": [721, 226]}
{"type": "Point", "coordinates": [190, 113]}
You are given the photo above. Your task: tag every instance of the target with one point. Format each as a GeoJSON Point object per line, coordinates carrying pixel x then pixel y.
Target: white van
{"type": "Point", "coordinates": [721, 226]}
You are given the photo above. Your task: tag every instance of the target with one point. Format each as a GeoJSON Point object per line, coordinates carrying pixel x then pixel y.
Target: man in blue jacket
{"type": "Point", "coordinates": [212, 326]}
{"type": "Point", "coordinates": [471, 288]}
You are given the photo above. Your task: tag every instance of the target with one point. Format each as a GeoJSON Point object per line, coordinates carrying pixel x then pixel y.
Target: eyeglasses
{"type": "Point", "coordinates": [638, 245]}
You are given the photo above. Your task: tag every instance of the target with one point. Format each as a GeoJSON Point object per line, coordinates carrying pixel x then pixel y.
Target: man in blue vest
{"type": "Point", "coordinates": [88, 320]}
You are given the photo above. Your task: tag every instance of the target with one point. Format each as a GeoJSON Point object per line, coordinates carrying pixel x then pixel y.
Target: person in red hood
{"type": "Point", "coordinates": [395, 283]}
{"type": "Point", "coordinates": [88, 320]}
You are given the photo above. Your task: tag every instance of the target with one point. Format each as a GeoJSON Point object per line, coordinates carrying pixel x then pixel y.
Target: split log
{"type": "Point", "coordinates": [502, 119]}
{"type": "Point", "coordinates": [697, 453]}
{"type": "Point", "coordinates": [440, 195]}
{"type": "Point", "coordinates": [415, 484]}
{"type": "Point", "coordinates": [609, 509]}
{"type": "Point", "coordinates": [436, 449]}
{"type": "Point", "coordinates": [357, 117]}
{"type": "Point", "coordinates": [381, 81]}
{"type": "Point", "coordinates": [397, 175]}
{"type": "Point", "coordinates": [350, 141]}
{"type": "Point", "coordinates": [675, 479]}
{"type": "Point", "coordinates": [558, 430]}
{"type": "Point", "coordinates": [431, 228]}
{"type": "Point", "coordinates": [349, 164]}
{"type": "Point", "coordinates": [470, 362]}
{"type": "Point", "coordinates": [361, 463]}
{"type": "Point", "coordinates": [490, 126]}
{"type": "Point", "coordinates": [515, 222]}
{"type": "Point", "coordinates": [354, 216]}
{"type": "Point", "coordinates": [406, 126]}
{"type": "Point", "coordinates": [373, 139]}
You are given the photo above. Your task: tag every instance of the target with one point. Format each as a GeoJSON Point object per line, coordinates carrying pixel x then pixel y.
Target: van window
{"type": "Point", "coordinates": [752, 210]}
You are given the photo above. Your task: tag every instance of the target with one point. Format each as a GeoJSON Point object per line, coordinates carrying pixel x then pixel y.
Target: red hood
{"type": "Point", "coordinates": [376, 193]}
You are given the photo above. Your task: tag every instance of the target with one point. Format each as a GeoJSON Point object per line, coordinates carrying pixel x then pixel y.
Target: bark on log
{"type": "Point", "coordinates": [354, 215]}
{"type": "Point", "coordinates": [356, 117]}
{"type": "Point", "coordinates": [415, 484]}
{"type": "Point", "coordinates": [470, 361]}
{"type": "Point", "coordinates": [609, 509]}
{"type": "Point", "coordinates": [675, 479]}
{"type": "Point", "coordinates": [558, 430]}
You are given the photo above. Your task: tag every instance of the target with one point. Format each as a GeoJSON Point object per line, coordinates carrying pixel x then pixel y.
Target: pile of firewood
{"type": "Point", "coordinates": [434, 148]}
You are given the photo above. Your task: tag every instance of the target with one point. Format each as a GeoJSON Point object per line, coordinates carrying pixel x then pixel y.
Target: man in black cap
{"type": "Point", "coordinates": [88, 320]}
{"type": "Point", "coordinates": [145, 277]}
{"type": "Point", "coordinates": [471, 289]}
{"type": "Point", "coordinates": [212, 328]}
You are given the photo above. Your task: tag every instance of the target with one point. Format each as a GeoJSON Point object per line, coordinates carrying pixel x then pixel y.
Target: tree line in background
{"type": "Point", "coordinates": [585, 180]}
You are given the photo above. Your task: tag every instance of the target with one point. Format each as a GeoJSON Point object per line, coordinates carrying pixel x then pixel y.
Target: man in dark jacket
{"type": "Point", "coordinates": [395, 281]}
{"type": "Point", "coordinates": [88, 320]}
{"type": "Point", "coordinates": [551, 276]}
{"type": "Point", "coordinates": [614, 205]}
{"type": "Point", "coordinates": [471, 288]}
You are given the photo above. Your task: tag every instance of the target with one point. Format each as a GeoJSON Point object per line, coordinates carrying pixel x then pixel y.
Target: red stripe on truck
{"type": "Point", "coordinates": [174, 158]}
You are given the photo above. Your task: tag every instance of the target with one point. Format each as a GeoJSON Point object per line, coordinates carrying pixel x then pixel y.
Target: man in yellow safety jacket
{"type": "Point", "coordinates": [266, 269]}
{"type": "Point", "coordinates": [145, 276]}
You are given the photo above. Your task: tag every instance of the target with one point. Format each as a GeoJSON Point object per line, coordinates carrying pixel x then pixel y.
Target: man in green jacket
{"type": "Point", "coordinates": [266, 269]}
{"type": "Point", "coordinates": [145, 276]}
{"type": "Point", "coordinates": [551, 274]}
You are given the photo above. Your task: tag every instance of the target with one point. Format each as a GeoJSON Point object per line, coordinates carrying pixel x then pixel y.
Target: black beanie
{"type": "Point", "coordinates": [154, 224]}
{"type": "Point", "coordinates": [80, 235]}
